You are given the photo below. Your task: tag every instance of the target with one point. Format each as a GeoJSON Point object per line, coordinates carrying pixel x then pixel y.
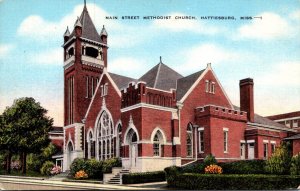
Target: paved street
{"type": "Point", "coordinates": [26, 186]}
{"type": "Point", "coordinates": [15, 183]}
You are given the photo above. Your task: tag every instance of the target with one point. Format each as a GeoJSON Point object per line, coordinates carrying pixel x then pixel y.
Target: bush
{"type": "Point", "coordinates": [195, 167]}
{"type": "Point", "coordinates": [77, 165]}
{"type": "Point", "coordinates": [244, 167]}
{"type": "Point", "coordinates": [209, 159]}
{"type": "Point", "coordinates": [47, 167]}
{"type": "Point", "coordinates": [279, 162]}
{"type": "Point", "coordinates": [109, 163]}
{"type": "Point", "coordinates": [233, 182]}
{"type": "Point", "coordinates": [144, 177]}
{"type": "Point", "coordinates": [172, 173]}
{"type": "Point", "coordinates": [34, 162]}
{"type": "Point", "coordinates": [295, 165]}
{"type": "Point", "coordinates": [213, 169]}
{"type": "Point", "coordinates": [94, 168]}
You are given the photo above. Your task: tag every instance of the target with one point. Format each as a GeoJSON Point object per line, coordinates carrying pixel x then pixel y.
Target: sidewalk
{"type": "Point", "coordinates": [59, 183]}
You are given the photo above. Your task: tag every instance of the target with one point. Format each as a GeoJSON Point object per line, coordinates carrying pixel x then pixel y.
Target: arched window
{"type": "Point", "coordinates": [90, 145]}
{"type": "Point", "coordinates": [189, 141]}
{"type": "Point", "coordinates": [119, 141]}
{"type": "Point", "coordinates": [70, 146]}
{"type": "Point", "coordinates": [105, 137]}
{"type": "Point", "coordinates": [157, 142]}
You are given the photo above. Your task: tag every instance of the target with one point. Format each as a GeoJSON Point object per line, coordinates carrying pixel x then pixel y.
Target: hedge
{"type": "Point", "coordinates": [244, 167]}
{"type": "Point", "coordinates": [144, 177]}
{"type": "Point", "coordinates": [229, 181]}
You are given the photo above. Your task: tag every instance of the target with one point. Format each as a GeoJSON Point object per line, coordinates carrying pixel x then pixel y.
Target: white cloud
{"type": "Point", "coordinates": [295, 15]}
{"type": "Point", "coordinates": [197, 57]}
{"type": "Point", "coordinates": [271, 26]}
{"type": "Point", "coordinates": [127, 66]}
{"type": "Point", "coordinates": [46, 57]}
{"type": "Point", "coordinates": [282, 74]}
{"type": "Point", "coordinates": [181, 25]}
{"type": "Point", "coordinates": [5, 49]}
{"type": "Point", "coordinates": [38, 28]}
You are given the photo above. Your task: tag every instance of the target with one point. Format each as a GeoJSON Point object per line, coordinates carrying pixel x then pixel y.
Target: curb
{"type": "Point", "coordinates": [23, 177]}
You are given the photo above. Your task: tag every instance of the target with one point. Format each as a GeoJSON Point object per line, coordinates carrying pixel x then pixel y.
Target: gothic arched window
{"type": "Point", "coordinates": [157, 142]}
{"type": "Point", "coordinates": [105, 137]}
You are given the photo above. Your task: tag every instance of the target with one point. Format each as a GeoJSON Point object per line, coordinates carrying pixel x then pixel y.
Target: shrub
{"type": "Point", "coordinates": [213, 169]}
{"type": "Point", "coordinates": [109, 163]}
{"type": "Point", "coordinates": [77, 165]}
{"type": "Point", "coordinates": [279, 162]}
{"type": "Point", "coordinates": [195, 167]}
{"type": "Point", "coordinates": [172, 173]}
{"type": "Point", "coordinates": [244, 167]}
{"type": "Point", "coordinates": [234, 182]}
{"type": "Point", "coordinates": [134, 178]}
{"type": "Point", "coordinates": [209, 159]}
{"type": "Point", "coordinates": [81, 175]}
{"type": "Point", "coordinates": [55, 170]}
{"type": "Point", "coordinates": [295, 165]}
{"type": "Point", "coordinates": [34, 162]}
{"type": "Point", "coordinates": [47, 167]}
{"type": "Point", "coordinates": [94, 168]}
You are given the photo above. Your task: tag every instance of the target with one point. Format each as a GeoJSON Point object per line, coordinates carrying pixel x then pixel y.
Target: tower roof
{"type": "Point", "coordinates": [88, 28]}
{"type": "Point", "coordinates": [67, 33]}
{"type": "Point", "coordinates": [161, 77]}
{"type": "Point", "coordinates": [103, 32]}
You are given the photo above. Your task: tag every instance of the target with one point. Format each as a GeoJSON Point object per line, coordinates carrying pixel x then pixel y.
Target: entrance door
{"type": "Point", "coordinates": [251, 151]}
{"type": "Point", "coordinates": [133, 154]}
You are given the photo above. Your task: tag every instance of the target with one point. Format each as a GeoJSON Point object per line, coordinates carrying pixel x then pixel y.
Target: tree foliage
{"type": "Point", "coordinates": [25, 128]}
{"type": "Point", "coordinates": [279, 162]}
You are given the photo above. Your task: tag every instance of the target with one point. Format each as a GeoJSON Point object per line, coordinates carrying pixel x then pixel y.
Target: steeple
{"type": "Point", "coordinates": [84, 8]}
{"type": "Point", "coordinates": [78, 23]}
{"type": "Point", "coordinates": [103, 32]}
{"type": "Point", "coordinates": [67, 33]}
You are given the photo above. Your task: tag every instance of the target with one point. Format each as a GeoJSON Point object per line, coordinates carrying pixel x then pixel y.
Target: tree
{"type": "Point", "coordinates": [279, 162]}
{"type": "Point", "coordinates": [26, 127]}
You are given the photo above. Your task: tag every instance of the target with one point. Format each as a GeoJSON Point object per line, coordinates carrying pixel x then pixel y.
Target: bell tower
{"type": "Point", "coordinates": [85, 56]}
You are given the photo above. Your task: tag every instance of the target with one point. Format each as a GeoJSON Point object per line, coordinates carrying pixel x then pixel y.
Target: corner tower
{"type": "Point", "coordinates": [85, 56]}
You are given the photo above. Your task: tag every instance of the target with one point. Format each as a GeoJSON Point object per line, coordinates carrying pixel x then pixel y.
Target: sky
{"type": "Point", "coordinates": [266, 48]}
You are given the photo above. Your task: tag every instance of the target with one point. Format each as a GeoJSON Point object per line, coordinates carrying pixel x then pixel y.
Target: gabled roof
{"type": "Point", "coordinates": [185, 83]}
{"type": "Point", "coordinates": [284, 115]}
{"type": "Point", "coordinates": [88, 28]}
{"type": "Point", "coordinates": [297, 136]}
{"type": "Point", "coordinates": [161, 77]}
{"type": "Point", "coordinates": [121, 81]}
{"type": "Point", "coordinates": [265, 121]}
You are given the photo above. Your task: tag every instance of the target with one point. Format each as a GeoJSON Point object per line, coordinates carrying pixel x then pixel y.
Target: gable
{"type": "Point", "coordinates": [194, 87]}
{"type": "Point", "coordinates": [105, 78]}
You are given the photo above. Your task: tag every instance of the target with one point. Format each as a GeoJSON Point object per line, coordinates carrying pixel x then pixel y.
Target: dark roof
{"type": "Point", "coordinates": [121, 81]}
{"type": "Point", "coordinates": [285, 115]}
{"type": "Point", "coordinates": [297, 136]}
{"type": "Point", "coordinates": [264, 121]}
{"type": "Point", "coordinates": [161, 77]}
{"type": "Point", "coordinates": [184, 84]}
{"type": "Point", "coordinates": [88, 28]}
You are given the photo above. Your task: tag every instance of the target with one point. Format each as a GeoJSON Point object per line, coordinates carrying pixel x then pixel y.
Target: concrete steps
{"type": "Point", "coordinates": [115, 177]}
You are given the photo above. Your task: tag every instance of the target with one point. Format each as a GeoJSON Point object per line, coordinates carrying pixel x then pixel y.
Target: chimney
{"type": "Point", "coordinates": [246, 98]}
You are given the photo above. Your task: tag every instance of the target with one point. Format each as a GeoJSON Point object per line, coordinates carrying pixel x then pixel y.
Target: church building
{"type": "Point", "coordinates": [159, 120]}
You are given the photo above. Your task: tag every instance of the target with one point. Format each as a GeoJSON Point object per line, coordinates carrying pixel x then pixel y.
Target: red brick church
{"type": "Point", "coordinates": [158, 120]}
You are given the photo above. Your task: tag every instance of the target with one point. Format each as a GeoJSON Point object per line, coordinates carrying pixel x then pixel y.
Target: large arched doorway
{"type": "Point", "coordinates": [105, 143]}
